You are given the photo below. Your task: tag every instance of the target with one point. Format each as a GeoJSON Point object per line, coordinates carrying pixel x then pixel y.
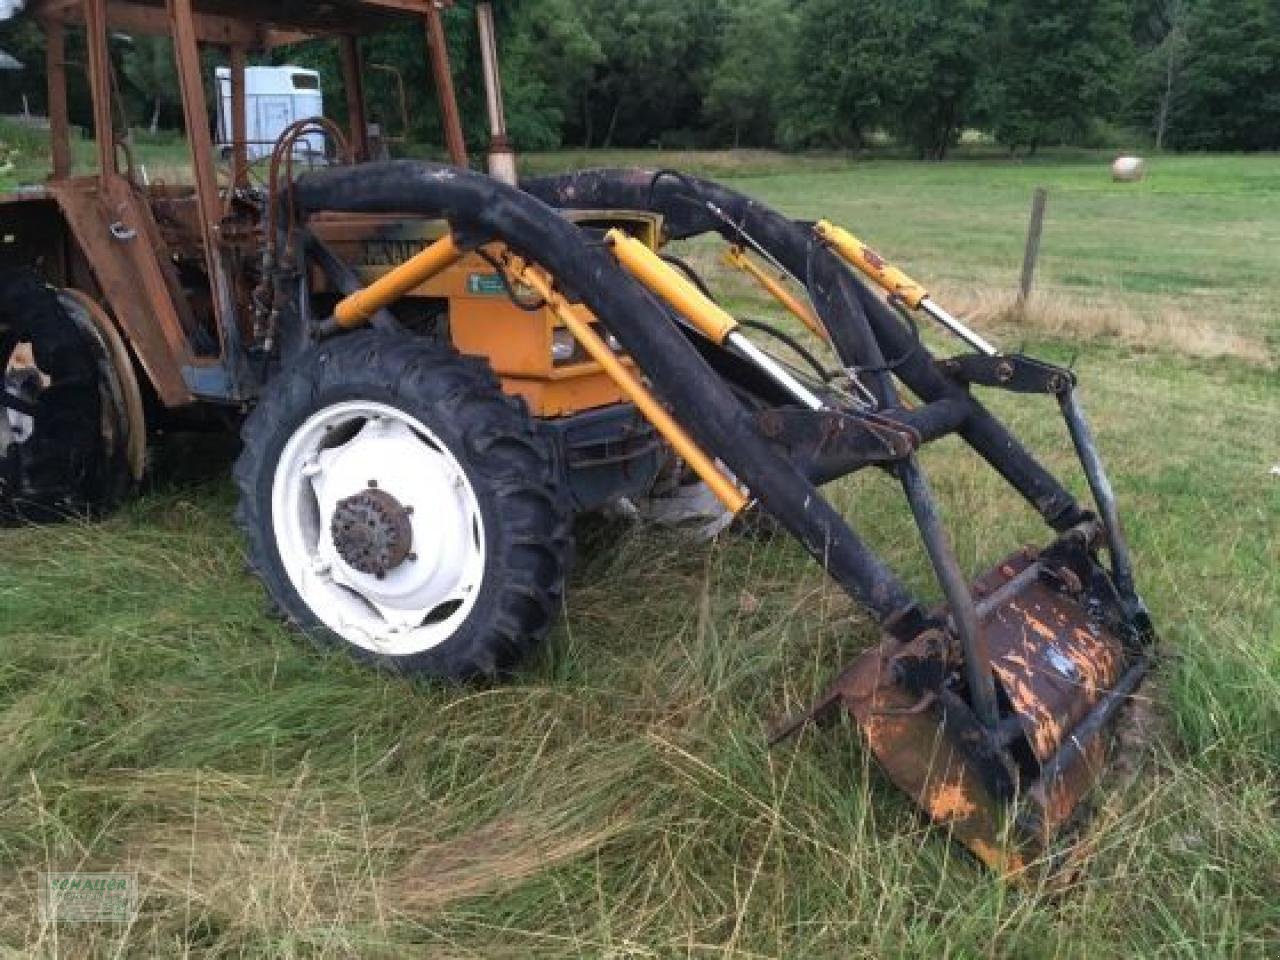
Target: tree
{"type": "Point", "coordinates": [148, 65]}
{"type": "Point", "coordinates": [1230, 78]}
{"type": "Point", "coordinates": [657, 56]}
{"type": "Point", "coordinates": [1054, 67]}
{"type": "Point", "coordinates": [940, 53]}
{"type": "Point", "coordinates": [22, 40]}
{"type": "Point", "coordinates": [1168, 58]}
{"type": "Point", "coordinates": [743, 90]}
{"type": "Point", "coordinates": [547, 56]}
{"type": "Point", "coordinates": [838, 81]}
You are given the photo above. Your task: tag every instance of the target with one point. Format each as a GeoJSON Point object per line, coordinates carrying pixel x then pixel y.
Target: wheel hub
{"type": "Point", "coordinates": [372, 532]}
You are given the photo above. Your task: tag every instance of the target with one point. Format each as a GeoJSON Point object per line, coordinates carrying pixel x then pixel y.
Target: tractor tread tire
{"type": "Point", "coordinates": [66, 468]}
{"type": "Point", "coordinates": [508, 459]}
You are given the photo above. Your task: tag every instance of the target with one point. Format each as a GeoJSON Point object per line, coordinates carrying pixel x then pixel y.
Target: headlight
{"type": "Point", "coordinates": [563, 345]}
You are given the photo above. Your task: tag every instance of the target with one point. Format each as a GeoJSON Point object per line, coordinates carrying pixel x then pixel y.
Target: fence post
{"type": "Point", "coordinates": [1032, 254]}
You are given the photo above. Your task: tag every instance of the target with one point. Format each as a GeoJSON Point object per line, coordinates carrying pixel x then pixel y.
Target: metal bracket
{"type": "Point", "coordinates": [830, 443]}
{"type": "Point", "coordinates": [1013, 372]}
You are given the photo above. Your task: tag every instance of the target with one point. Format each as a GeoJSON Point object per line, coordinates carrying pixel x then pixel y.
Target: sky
{"type": "Point", "coordinates": [9, 7]}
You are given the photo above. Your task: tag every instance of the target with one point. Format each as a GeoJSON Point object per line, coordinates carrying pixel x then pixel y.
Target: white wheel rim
{"type": "Point", "coordinates": [333, 456]}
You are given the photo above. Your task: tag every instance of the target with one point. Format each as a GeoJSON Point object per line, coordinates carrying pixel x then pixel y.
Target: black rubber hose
{"type": "Point", "coordinates": [781, 336]}
{"type": "Point", "coordinates": [693, 276]}
{"type": "Point", "coordinates": [791, 343]}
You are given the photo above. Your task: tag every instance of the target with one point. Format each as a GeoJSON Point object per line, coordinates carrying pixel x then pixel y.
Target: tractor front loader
{"type": "Point", "coordinates": [993, 710]}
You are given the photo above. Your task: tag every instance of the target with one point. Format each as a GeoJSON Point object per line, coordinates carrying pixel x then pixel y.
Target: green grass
{"type": "Point", "coordinates": [616, 799]}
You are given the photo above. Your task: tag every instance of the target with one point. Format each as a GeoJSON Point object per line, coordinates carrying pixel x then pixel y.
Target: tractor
{"type": "Point", "coordinates": [434, 370]}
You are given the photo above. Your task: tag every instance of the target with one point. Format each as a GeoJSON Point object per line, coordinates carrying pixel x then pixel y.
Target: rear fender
{"type": "Point", "coordinates": [67, 232]}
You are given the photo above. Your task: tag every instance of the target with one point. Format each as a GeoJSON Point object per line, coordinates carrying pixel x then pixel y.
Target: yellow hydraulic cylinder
{"type": "Point", "coordinates": [707, 470]}
{"type": "Point", "coordinates": [390, 287]}
{"type": "Point", "coordinates": [691, 303]}
{"type": "Point", "coordinates": [650, 269]}
{"type": "Point", "coordinates": [737, 257]}
{"type": "Point", "coordinates": [853, 250]}
{"type": "Point", "coordinates": [896, 283]}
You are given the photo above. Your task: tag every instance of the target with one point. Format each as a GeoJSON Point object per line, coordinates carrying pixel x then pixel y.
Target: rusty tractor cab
{"type": "Point", "coordinates": [182, 269]}
{"type": "Point", "coordinates": [437, 369]}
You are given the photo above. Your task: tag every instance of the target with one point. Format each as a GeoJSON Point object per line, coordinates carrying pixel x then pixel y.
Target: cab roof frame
{"type": "Point", "coordinates": [244, 22]}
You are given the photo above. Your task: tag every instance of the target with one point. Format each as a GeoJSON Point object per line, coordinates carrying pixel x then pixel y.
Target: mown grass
{"type": "Point", "coordinates": [616, 799]}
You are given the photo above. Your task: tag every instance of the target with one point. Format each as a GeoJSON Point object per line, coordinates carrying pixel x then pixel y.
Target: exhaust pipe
{"type": "Point", "coordinates": [502, 158]}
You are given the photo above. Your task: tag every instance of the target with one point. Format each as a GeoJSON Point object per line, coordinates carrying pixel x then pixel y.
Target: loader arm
{"type": "Point", "coordinates": [990, 711]}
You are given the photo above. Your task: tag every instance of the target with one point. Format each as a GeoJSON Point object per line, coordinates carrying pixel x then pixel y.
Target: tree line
{"type": "Point", "coordinates": [798, 74]}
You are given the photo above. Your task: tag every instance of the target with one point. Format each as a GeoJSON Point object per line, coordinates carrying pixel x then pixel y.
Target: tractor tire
{"type": "Point", "coordinates": [67, 429]}
{"type": "Point", "coordinates": [396, 503]}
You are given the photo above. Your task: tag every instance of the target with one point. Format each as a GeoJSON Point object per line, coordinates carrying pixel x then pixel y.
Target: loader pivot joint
{"type": "Point", "coordinates": [1013, 372]}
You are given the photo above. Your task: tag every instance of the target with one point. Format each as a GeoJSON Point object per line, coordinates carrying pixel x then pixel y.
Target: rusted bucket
{"type": "Point", "coordinates": [1066, 657]}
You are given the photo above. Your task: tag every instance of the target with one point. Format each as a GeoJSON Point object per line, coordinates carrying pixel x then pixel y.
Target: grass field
{"type": "Point", "coordinates": [616, 799]}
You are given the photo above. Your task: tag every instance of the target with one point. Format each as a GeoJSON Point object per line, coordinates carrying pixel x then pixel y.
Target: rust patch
{"type": "Point", "coordinates": [914, 748]}
{"type": "Point", "coordinates": [1053, 662]}
{"type": "Point", "coordinates": [950, 802]}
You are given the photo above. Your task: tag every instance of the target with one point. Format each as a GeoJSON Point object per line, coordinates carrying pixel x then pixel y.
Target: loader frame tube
{"type": "Point", "coordinates": [977, 657]}
{"type": "Point", "coordinates": [357, 308]}
{"type": "Point", "coordinates": [1103, 496]}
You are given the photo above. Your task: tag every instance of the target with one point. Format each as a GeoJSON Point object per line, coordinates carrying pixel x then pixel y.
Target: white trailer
{"type": "Point", "coordinates": [274, 98]}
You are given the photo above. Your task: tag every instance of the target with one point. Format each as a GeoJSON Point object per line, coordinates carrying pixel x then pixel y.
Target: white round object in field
{"type": "Point", "coordinates": [1128, 169]}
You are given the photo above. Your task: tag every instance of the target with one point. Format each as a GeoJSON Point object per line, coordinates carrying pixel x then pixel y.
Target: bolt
{"type": "Point", "coordinates": [373, 484]}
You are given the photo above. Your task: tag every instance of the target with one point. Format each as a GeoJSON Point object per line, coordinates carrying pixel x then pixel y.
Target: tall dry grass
{"type": "Point", "coordinates": [1154, 326]}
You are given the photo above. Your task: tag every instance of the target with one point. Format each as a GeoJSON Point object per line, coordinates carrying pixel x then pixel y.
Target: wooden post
{"type": "Point", "coordinates": [1032, 254]}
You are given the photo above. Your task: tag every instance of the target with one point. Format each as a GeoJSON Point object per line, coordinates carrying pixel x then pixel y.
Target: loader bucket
{"type": "Point", "coordinates": [1063, 670]}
